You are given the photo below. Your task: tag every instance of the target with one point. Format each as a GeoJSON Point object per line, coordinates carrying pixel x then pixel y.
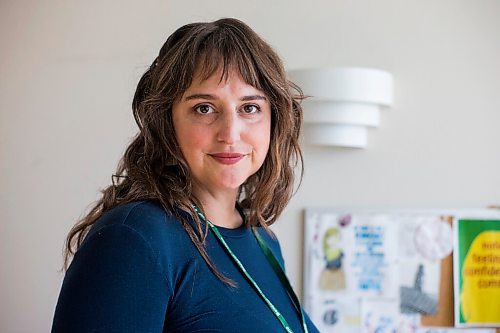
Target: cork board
{"type": "Point", "coordinates": [316, 227]}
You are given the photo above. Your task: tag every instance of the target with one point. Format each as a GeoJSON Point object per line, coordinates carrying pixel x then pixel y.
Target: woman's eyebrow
{"type": "Point", "coordinates": [213, 97]}
{"type": "Point", "coordinates": [200, 96]}
{"type": "Point", "coordinates": [253, 97]}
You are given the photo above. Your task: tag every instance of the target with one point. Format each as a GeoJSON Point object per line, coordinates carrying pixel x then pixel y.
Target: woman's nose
{"type": "Point", "coordinates": [229, 128]}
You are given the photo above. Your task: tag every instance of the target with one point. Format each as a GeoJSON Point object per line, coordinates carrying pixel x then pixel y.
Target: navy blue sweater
{"type": "Point", "coordinates": [138, 271]}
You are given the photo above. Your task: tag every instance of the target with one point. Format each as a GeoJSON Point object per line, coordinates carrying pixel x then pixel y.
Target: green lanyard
{"type": "Point", "coordinates": [276, 267]}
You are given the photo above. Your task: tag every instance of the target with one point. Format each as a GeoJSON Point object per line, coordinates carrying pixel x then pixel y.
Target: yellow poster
{"type": "Point", "coordinates": [477, 272]}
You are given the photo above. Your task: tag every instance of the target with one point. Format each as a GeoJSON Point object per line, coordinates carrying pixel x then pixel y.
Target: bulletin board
{"type": "Point", "coordinates": [381, 271]}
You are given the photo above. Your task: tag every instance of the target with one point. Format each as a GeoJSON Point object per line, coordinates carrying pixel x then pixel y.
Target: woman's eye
{"type": "Point", "coordinates": [251, 108]}
{"type": "Point", "coordinates": [204, 109]}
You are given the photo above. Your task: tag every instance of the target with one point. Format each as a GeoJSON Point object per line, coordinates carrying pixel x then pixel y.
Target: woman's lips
{"type": "Point", "coordinates": [227, 158]}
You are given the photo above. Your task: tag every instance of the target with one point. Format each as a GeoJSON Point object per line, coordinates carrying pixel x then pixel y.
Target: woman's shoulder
{"type": "Point", "coordinates": [148, 219]}
{"type": "Point", "coordinates": [138, 215]}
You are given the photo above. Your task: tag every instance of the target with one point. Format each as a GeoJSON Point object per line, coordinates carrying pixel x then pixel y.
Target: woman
{"type": "Point", "coordinates": [180, 241]}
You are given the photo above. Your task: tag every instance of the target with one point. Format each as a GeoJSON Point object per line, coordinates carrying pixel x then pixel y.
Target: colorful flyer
{"type": "Point", "coordinates": [477, 272]}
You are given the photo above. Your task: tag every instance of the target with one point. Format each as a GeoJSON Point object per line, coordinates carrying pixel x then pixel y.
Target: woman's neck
{"type": "Point", "coordinates": [220, 208]}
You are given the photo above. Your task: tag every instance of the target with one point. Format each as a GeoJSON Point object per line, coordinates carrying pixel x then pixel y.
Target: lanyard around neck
{"type": "Point", "coordinates": [276, 267]}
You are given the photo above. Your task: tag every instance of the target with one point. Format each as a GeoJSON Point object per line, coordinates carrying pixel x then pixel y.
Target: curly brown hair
{"type": "Point", "coordinates": [153, 166]}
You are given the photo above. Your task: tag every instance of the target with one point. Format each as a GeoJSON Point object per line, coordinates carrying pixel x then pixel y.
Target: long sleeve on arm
{"type": "Point", "coordinates": [114, 284]}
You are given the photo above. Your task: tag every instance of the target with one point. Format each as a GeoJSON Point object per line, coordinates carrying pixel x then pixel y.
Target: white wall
{"type": "Point", "coordinates": [68, 70]}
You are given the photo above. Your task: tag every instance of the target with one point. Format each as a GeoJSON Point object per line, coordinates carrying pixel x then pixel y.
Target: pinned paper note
{"type": "Point", "coordinates": [434, 239]}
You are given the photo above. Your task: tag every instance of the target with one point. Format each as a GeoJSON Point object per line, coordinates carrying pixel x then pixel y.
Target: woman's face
{"type": "Point", "coordinates": [223, 130]}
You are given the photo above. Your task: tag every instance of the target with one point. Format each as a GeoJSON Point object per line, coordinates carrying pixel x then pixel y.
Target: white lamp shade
{"type": "Point", "coordinates": [342, 103]}
{"type": "Point", "coordinates": [351, 84]}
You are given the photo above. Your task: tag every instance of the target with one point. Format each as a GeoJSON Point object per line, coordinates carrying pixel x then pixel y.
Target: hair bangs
{"type": "Point", "coordinates": [225, 53]}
